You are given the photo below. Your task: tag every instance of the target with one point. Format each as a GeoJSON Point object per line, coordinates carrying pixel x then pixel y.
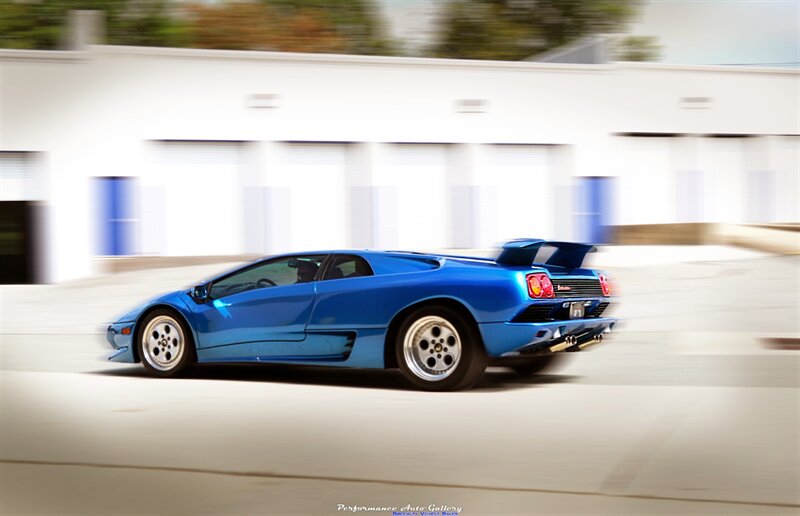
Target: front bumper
{"type": "Point", "coordinates": [517, 339]}
{"type": "Point", "coordinates": [122, 343]}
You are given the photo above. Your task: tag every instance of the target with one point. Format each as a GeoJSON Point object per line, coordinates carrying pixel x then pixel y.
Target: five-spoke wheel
{"type": "Point", "coordinates": [164, 344]}
{"type": "Point", "coordinates": [432, 348]}
{"type": "Point", "coordinates": [437, 348]}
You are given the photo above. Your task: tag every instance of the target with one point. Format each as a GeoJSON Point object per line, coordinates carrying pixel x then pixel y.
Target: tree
{"type": "Point", "coordinates": [233, 26]}
{"type": "Point", "coordinates": [252, 26]}
{"type": "Point", "coordinates": [479, 30]}
{"type": "Point", "coordinates": [637, 48]}
{"type": "Point", "coordinates": [518, 29]}
{"type": "Point", "coordinates": [356, 21]}
{"type": "Point", "coordinates": [41, 23]}
{"type": "Point", "coordinates": [341, 26]}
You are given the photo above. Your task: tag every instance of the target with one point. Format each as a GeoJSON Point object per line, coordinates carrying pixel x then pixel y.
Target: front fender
{"type": "Point", "coordinates": [124, 344]}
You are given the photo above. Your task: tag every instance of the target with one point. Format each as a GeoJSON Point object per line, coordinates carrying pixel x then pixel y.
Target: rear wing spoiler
{"type": "Point", "coordinates": [523, 252]}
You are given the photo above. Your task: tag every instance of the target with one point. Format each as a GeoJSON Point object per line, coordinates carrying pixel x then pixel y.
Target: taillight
{"type": "Point", "coordinates": [605, 285]}
{"type": "Point", "coordinates": [547, 286]}
{"type": "Point", "coordinates": [540, 286]}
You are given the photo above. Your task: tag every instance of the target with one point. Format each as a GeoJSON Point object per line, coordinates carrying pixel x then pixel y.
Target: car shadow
{"type": "Point", "coordinates": [495, 379]}
{"type": "Point", "coordinates": [502, 379]}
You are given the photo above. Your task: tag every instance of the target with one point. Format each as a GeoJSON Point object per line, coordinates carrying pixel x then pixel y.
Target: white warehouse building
{"type": "Point", "coordinates": [184, 152]}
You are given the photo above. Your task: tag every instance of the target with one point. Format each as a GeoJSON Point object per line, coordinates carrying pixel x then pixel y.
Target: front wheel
{"type": "Point", "coordinates": [438, 350]}
{"type": "Point", "coordinates": [164, 344]}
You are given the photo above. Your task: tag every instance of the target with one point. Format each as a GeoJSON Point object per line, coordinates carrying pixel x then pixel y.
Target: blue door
{"type": "Point", "coordinates": [594, 209]}
{"type": "Point", "coordinates": [260, 311]}
{"type": "Point", "coordinates": [116, 215]}
{"type": "Point", "coordinates": [260, 315]}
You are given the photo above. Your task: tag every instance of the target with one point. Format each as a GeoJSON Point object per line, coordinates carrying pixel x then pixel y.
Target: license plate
{"type": "Point", "coordinates": [576, 310]}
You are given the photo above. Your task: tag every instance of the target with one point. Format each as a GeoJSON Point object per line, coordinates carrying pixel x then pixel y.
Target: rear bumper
{"type": "Point", "coordinates": [516, 339]}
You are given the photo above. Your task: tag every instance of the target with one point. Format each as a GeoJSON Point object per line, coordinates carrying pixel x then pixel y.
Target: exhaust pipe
{"type": "Point", "coordinates": [597, 339]}
{"type": "Point", "coordinates": [569, 341]}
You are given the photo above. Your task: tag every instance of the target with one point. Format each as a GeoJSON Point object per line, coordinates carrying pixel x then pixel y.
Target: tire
{"type": "Point", "coordinates": [538, 365]}
{"type": "Point", "coordinates": [165, 344]}
{"type": "Point", "coordinates": [438, 350]}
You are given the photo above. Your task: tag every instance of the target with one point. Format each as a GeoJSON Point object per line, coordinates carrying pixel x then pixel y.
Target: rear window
{"type": "Point", "coordinates": [399, 264]}
{"type": "Point", "coordinates": [347, 266]}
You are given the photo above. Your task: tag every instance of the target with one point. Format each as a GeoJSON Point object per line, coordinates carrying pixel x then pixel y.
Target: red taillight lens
{"type": "Point", "coordinates": [547, 286]}
{"type": "Point", "coordinates": [605, 285]}
{"type": "Point", "coordinates": [534, 286]}
{"type": "Point", "coordinates": [539, 285]}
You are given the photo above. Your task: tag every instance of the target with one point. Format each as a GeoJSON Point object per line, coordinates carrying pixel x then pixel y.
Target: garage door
{"type": "Point", "coordinates": [18, 188]}
{"type": "Point", "coordinates": [13, 175]}
{"type": "Point", "coordinates": [516, 193]}
{"type": "Point", "coordinates": [317, 209]}
{"type": "Point", "coordinates": [416, 175]}
{"type": "Point", "coordinates": [190, 197]}
{"type": "Point", "coordinates": [647, 191]}
{"type": "Point", "coordinates": [785, 157]}
{"type": "Point", "coordinates": [722, 162]}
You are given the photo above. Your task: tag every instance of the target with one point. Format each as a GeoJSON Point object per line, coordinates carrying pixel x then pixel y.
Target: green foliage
{"type": "Point", "coordinates": [31, 25]}
{"type": "Point", "coordinates": [469, 29]}
{"type": "Point", "coordinates": [518, 29]}
{"type": "Point", "coordinates": [354, 27]}
{"type": "Point", "coordinates": [355, 20]}
{"type": "Point", "coordinates": [41, 23]}
{"type": "Point", "coordinates": [637, 48]}
{"type": "Point", "coordinates": [478, 30]}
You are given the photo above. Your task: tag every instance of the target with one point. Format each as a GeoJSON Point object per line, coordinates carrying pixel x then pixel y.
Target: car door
{"type": "Point", "coordinates": [339, 307]}
{"type": "Point", "coordinates": [344, 298]}
{"type": "Point", "coordinates": [262, 305]}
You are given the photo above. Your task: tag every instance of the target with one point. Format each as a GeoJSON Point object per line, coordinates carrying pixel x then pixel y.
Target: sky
{"type": "Point", "coordinates": [754, 32]}
{"type": "Point", "coordinates": [724, 31]}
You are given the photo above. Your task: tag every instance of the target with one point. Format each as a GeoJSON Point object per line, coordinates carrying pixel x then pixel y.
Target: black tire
{"type": "Point", "coordinates": [452, 336]}
{"type": "Point", "coordinates": [165, 344]}
{"type": "Point", "coordinates": [538, 365]}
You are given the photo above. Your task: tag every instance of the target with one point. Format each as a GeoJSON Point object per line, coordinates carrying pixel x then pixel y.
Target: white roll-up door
{"type": "Point", "coordinates": [18, 182]}
{"type": "Point", "coordinates": [517, 188]}
{"type": "Point", "coordinates": [191, 199]}
{"type": "Point", "coordinates": [647, 191]}
{"type": "Point", "coordinates": [722, 162]}
{"type": "Point", "coordinates": [317, 209]}
{"type": "Point", "coordinates": [416, 177]}
{"type": "Point", "coordinates": [785, 157]}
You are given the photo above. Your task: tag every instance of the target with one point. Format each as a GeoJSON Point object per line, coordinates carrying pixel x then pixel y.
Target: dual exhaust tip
{"type": "Point", "coordinates": [572, 340]}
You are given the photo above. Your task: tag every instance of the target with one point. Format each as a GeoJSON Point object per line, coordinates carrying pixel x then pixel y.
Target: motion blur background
{"type": "Point", "coordinates": [112, 149]}
{"type": "Point", "coordinates": [146, 144]}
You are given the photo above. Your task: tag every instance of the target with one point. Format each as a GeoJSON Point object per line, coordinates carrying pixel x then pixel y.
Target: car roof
{"type": "Point", "coordinates": [381, 252]}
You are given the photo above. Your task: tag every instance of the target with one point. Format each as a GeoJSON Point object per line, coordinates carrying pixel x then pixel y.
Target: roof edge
{"type": "Point", "coordinates": [296, 57]}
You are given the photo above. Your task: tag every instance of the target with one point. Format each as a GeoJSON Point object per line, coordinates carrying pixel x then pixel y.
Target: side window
{"type": "Point", "coordinates": [347, 266]}
{"type": "Point", "coordinates": [273, 273]}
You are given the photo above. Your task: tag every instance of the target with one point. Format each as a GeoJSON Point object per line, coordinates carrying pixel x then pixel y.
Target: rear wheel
{"type": "Point", "coordinates": [165, 344]}
{"type": "Point", "coordinates": [537, 365]}
{"type": "Point", "coordinates": [438, 350]}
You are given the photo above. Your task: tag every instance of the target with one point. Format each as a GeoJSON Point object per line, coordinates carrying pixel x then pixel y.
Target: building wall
{"type": "Point", "coordinates": [234, 152]}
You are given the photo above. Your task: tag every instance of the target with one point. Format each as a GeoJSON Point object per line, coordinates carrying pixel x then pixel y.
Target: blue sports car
{"type": "Point", "coordinates": [440, 319]}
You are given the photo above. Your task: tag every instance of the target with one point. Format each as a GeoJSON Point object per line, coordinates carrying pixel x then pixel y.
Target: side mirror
{"type": "Point", "coordinates": [200, 293]}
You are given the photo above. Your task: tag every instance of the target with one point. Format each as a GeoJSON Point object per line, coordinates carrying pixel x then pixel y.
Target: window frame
{"type": "Point", "coordinates": [265, 261]}
{"type": "Point", "coordinates": [327, 266]}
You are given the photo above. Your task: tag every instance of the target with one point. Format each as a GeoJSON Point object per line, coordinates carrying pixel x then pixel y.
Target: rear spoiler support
{"type": "Point", "coordinates": [523, 251]}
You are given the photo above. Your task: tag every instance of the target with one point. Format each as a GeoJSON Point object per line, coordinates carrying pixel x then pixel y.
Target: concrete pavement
{"type": "Point", "coordinates": [683, 412]}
